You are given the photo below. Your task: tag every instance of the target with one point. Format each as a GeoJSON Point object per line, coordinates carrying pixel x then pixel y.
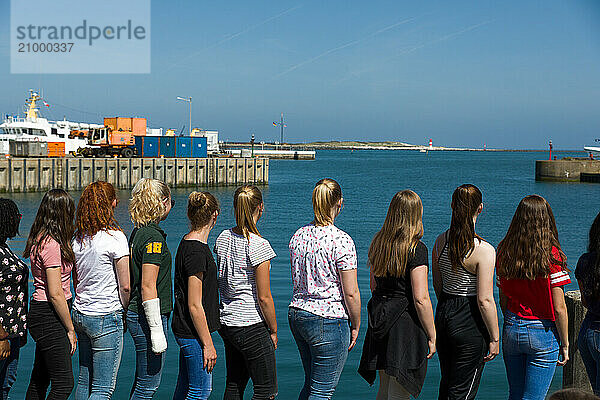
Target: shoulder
{"type": "Point", "coordinates": [421, 247]}
{"type": "Point", "coordinates": [585, 262]}
{"type": "Point", "coordinates": [341, 237]}
{"type": "Point", "coordinates": [49, 244]}
{"type": "Point", "coordinates": [148, 232]}
{"type": "Point", "coordinates": [440, 240]}
{"type": "Point", "coordinates": [224, 235]}
{"type": "Point", "coordinates": [485, 248]}
{"type": "Point", "coordinates": [258, 241]}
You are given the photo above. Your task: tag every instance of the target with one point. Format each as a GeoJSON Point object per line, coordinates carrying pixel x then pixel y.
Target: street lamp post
{"type": "Point", "coordinates": [252, 144]}
{"type": "Point", "coordinates": [189, 100]}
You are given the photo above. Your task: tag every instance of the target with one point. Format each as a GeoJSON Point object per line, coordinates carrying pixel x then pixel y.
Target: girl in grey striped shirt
{"type": "Point", "coordinates": [249, 327]}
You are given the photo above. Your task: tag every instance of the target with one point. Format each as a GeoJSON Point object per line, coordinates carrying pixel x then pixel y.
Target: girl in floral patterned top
{"type": "Point", "coordinates": [326, 297]}
{"type": "Point", "coordinates": [13, 297]}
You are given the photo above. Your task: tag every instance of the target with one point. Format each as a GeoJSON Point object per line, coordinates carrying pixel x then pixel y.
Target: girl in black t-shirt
{"type": "Point", "coordinates": [401, 333]}
{"type": "Point", "coordinates": [196, 300]}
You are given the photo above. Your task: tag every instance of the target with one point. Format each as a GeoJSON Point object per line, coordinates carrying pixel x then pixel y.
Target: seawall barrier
{"type": "Point", "coordinates": [566, 170]}
{"type": "Point", "coordinates": [71, 173]}
{"type": "Point", "coordinates": [574, 374]}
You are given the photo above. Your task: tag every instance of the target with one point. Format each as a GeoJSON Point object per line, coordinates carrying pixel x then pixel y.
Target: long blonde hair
{"type": "Point", "coordinates": [246, 200]}
{"type": "Point", "coordinates": [398, 238]}
{"type": "Point", "coordinates": [147, 201]}
{"type": "Point", "coordinates": [326, 194]}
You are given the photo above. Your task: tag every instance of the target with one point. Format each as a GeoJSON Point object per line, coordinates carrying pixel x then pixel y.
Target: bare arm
{"type": "Point", "coordinates": [420, 291]}
{"type": "Point", "coordinates": [352, 301]}
{"type": "Point", "coordinates": [56, 296]}
{"type": "Point", "coordinates": [562, 322]}
{"type": "Point", "coordinates": [485, 296]}
{"type": "Point", "coordinates": [265, 299]}
{"type": "Point", "coordinates": [148, 284]}
{"type": "Point", "coordinates": [199, 319]}
{"type": "Point", "coordinates": [123, 280]}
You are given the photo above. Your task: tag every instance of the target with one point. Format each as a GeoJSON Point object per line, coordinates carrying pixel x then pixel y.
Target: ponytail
{"type": "Point", "coordinates": [466, 199]}
{"type": "Point", "coordinates": [246, 201]}
{"type": "Point", "coordinates": [326, 194]}
{"type": "Point", "coordinates": [201, 207]}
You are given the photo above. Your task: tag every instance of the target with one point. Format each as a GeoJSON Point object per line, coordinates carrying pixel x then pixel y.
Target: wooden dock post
{"type": "Point", "coordinates": [574, 374]}
{"type": "Point", "coordinates": [38, 174]}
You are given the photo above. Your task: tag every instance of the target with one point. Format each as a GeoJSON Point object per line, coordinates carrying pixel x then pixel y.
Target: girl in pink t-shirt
{"type": "Point", "coordinates": [49, 248]}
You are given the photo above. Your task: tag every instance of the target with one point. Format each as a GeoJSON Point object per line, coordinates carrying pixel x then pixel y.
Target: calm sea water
{"type": "Point", "coordinates": [369, 179]}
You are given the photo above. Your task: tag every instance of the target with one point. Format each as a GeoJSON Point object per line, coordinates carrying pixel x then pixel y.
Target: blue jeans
{"type": "Point", "coordinates": [8, 367]}
{"type": "Point", "coordinates": [148, 365]}
{"type": "Point", "coordinates": [589, 348]}
{"type": "Point", "coordinates": [193, 382]}
{"type": "Point", "coordinates": [100, 342]}
{"type": "Point", "coordinates": [323, 346]}
{"type": "Point", "coordinates": [530, 350]}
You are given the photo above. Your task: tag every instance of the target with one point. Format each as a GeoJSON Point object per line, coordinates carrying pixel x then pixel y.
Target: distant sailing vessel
{"type": "Point", "coordinates": [34, 127]}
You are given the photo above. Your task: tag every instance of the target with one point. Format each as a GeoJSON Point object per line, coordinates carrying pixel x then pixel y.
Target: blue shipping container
{"type": "Point", "coordinates": [199, 147]}
{"type": "Point", "coordinates": [184, 146]}
{"type": "Point", "coordinates": [139, 145]}
{"type": "Point", "coordinates": [167, 146]}
{"type": "Point", "coordinates": [151, 146]}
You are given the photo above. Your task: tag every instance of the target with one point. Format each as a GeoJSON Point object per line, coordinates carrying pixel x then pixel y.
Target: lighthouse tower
{"type": "Point", "coordinates": [430, 144]}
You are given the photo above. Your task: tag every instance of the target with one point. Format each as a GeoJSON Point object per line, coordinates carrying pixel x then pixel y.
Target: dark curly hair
{"type": "Point", "coordinates": [10, 218]}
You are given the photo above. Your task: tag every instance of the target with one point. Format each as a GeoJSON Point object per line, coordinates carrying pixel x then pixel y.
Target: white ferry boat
{"type": "Point", "coordinates": [35, 127]}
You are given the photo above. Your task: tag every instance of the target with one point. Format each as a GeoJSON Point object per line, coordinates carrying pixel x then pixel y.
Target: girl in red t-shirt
{"type": "Point", "coordinates": [532, 271]}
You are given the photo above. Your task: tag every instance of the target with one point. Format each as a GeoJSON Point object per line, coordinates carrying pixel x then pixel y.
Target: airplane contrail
{"type": "Point", "coordinates": [333, 50]}
{"type": "Point", "coordinates": [234, 35]}
{"type": "Point", "coordinates": [418, 47]}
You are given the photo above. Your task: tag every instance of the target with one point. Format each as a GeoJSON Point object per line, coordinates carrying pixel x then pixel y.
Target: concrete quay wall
{"type": "Point", "coordinates": [565, 170]}
{"type": "Point", "coordinates": [41, 174]}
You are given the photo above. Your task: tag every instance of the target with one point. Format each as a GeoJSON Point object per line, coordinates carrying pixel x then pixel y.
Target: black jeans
{"type": "Point", "coordinates": [52, 364]}
{"type": "Point", "coordinates": [249, 354]}
{"type": "Point", "coordinates": [462, 342]}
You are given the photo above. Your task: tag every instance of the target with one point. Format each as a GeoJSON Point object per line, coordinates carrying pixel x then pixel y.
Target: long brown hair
{"type": "Point", "coordinates": [201, 207]}
{"type": "Point", "coordinates": [54, 219]}
{"type": "Point", "coordinates": [466, 199]}
{"type": "Point", "coordinates": [526, 250]}
{"type": "Point", "coordinates": [246, 200]}
{"type": "Point", "coordinates": [95, 211]}
{"type": "Point", "coordinates": [399, 235]}
{"type": "Point", "coordinates": [326, 194]}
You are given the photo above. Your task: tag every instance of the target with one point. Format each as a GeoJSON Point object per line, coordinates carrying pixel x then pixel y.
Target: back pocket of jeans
{"type": "Point", "coordinates": [542, 338]}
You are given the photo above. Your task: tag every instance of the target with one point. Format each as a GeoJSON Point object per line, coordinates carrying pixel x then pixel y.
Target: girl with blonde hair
{"type": "Point", "coordinates": [248, 324]}
{"type": "Point", "coordinates": [101, 290]}
{"type": "Point", "coordinates": [325, 298]}
{"type": "Point", "coordinates": [196, 313]}
{"type": "Point", "coordinates": [401, 334]}
{"type": "Point", "coordinates": [151, 286]}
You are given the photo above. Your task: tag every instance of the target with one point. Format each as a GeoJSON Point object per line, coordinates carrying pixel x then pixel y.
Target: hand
{"type": "Point", "coordinates": [432, 350]}
{"type": "Point", "coordinates": [353, 337]}
{"type": "Point", "coordinates": [564, 352]}
{"type": "Point", "coordinates": [274, 339]}
{"type": "Point", "coordinates": [73, 340]}
{"type": "Point", "coordinates": [494, 349]}
{"type": "Point", "coordinates": [124, 316]}
{"type": "Point", "coordinates": [4, 349]}
{"type": "Point", "coordinates": [210, 357]}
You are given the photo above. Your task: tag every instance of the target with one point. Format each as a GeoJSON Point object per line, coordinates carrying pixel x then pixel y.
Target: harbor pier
{"type": "Point", "coordinates": [72, 173]}
{"type": "Point", "coordinates": [569, 169]}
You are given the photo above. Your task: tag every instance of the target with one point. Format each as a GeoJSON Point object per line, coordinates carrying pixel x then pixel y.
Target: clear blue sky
{"type": "Point", "coordinates": [512, 74]}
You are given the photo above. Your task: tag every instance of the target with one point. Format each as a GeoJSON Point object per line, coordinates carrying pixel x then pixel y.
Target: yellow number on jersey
{"type": "Point", "coordinates": [154, 248]}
